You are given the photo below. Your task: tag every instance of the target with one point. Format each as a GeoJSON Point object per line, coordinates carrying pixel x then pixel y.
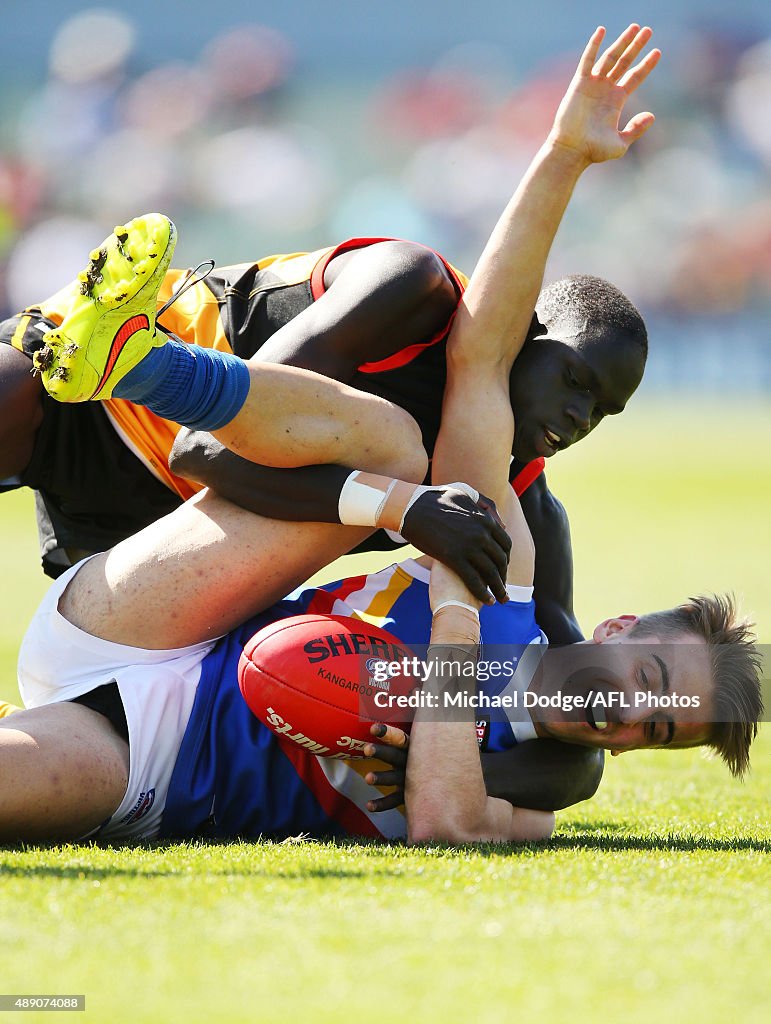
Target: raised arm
{"type": "Point", "coordinates": [498, 304]}
{"type": "Point", "coordinates": [446, 797]}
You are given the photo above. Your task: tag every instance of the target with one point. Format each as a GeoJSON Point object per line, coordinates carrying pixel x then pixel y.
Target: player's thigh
{"type": "Point", "coordinates": [295, 417]}
{"type": "Point", "coordinates": [63, 771]}
{"type": "Point", "coordinates": [197, 573]}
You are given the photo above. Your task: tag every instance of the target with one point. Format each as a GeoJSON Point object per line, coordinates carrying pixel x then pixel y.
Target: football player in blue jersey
{"type": "Point", "coordinates": [362, 311]}
{"type": "Point", "coordinates": [680, 678]}
{"type": "Point", "coordinates": [123, 655]}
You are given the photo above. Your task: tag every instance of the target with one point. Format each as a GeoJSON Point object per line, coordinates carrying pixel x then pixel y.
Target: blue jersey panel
{"type": "Point", "coordinates": [232, 777]}
{"type": "Point", "coordinates": [507, 630]}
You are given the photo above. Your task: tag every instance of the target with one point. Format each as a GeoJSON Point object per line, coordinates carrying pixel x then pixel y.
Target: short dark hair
{"type": "Point", "coordinates": [736, 669]}
{"type": "Point", "coordinates": [583, 297]}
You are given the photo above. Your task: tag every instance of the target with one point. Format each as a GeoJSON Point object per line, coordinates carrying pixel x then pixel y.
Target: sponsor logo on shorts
{"type": "Point", "coordinates": [142, 806]}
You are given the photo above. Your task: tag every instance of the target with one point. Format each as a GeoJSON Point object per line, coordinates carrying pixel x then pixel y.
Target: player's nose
{"type": "Point", "coordinates": [579, 412]}
{"type": "Point", "coordinates": [632, 711]}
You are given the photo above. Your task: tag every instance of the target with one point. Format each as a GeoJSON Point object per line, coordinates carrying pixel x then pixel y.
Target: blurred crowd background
{"type": "Point", "coordinates": [262, 130]}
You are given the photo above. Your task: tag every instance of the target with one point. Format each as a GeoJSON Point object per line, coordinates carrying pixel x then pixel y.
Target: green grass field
{"type": "Point", "coordinates": [650, 902]}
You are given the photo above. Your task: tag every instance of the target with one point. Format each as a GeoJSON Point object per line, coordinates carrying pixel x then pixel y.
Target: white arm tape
{"type": "Point", "coordinates": [363, 498]}
{"type": "Point", "coordinates": [359, 504]}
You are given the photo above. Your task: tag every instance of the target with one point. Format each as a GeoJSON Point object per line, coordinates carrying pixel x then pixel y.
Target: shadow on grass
{"type": "Point", "coordinates": [610, 837]}
{"type": "Point", "coordinates": [86, 872]}
{"type": "Point", "coordinates": [235, 859]}
{"type": "Point", "coordinates": [81, 869]}
{"type": "Point", "coordinates": [601, 836]}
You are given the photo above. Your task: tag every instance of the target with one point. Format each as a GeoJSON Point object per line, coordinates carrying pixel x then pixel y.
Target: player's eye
{"type": "Point", "coordinates": [574, 382]}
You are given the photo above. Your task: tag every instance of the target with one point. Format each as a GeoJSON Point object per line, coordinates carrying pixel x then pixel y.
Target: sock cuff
{"type": "Point", "coordinates": [228, 388]}
{"type": "Point", "coordinates": [199, 388]}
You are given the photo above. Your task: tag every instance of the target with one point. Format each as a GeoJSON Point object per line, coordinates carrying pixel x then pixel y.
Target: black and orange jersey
{"type": "Point", "coordinates": [238, 308]}
{"type": "Point", "coordinates": [101, 469]}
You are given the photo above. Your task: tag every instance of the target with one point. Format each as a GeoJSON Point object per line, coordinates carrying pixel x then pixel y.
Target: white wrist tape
{"type": "Point", "coordinates": [458, 604]}
{"type": "Point", "coordinates": [367, 499]}
{"type": "Point", "coordinates": [362, 498]}
{"type": "Point", "coordinates": [455, 622]}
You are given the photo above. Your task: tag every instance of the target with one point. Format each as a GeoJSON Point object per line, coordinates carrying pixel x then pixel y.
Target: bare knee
{"type": "Point", "coordinates": [63, 770]}
{"type": "Point", "coordinates": [405, 458]}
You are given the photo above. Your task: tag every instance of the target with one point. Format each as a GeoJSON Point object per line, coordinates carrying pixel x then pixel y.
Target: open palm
{"type": "Point", "coordinates": [589, 115]}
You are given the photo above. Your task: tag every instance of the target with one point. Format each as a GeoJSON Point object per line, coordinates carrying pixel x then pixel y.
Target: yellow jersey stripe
{"type": "Point", "coordinates": [7, 709]}
{"type": "Point", "coordinates": [18, 334]}
{"type": "Point", "coordinates": [376, 609]}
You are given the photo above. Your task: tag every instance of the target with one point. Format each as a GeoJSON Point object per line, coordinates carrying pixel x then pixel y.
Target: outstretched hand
{"type": "Point", "coordinates": [589, 115]}
{"type": "Point", "coordinates": [466, 535]}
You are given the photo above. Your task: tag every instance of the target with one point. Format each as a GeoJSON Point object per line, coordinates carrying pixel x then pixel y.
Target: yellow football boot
{"type": "Point", "coordinates": [110, 326]}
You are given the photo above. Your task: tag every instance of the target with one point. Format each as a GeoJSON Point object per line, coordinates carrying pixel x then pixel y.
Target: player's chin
{"type": "Point", "coordinates": [530, 443]}
{"type": "Point", "coordinates": [524, 448]}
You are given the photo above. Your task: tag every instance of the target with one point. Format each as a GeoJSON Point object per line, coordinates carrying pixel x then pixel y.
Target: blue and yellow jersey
{"type": "Point", "coordinates": [234, 776]}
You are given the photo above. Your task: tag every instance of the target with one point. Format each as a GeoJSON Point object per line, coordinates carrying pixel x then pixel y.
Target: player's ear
{"type": "Point", "coordinates": [537, 329]}
{"type": "Point", "coordinates": [613, 627]}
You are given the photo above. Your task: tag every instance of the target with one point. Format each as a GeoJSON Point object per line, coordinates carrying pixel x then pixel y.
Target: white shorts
{"type": "Point", "coordinates": [58, 662]}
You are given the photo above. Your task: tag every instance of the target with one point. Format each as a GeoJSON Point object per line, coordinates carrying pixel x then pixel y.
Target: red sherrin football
{"type": "Point", "coordinates": [311, 680]}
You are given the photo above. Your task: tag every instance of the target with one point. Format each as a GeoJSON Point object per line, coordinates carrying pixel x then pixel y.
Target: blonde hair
{"type": "Point", "coordinates": [736, 669]}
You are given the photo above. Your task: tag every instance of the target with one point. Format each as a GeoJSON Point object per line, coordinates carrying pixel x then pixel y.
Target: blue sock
{"type": "Point", "coordinates": [200, 388]}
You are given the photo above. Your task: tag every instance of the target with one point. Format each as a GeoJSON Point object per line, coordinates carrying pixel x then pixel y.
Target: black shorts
{"type": "Point", "coordinates": [106, 700]}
